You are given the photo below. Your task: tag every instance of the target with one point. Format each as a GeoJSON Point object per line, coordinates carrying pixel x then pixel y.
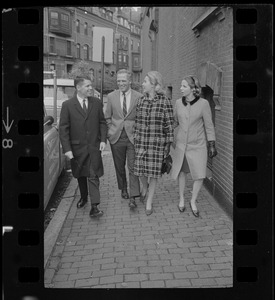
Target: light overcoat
{"type": "Point", "coordinates": [195, 129]}
{"type": "Point", "coordinates": [115, 118]}
{"type": "Point", "coordinates": [82, 133]}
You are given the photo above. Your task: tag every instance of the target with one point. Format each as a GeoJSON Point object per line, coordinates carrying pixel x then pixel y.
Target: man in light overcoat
{"type": "Point", "coordinates": [83, 133]}
{"type": "Point", "coordinates": [120, 117]}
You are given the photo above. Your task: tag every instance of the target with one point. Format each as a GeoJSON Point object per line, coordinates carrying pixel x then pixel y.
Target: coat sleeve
{"type": "Point", "coordinates": [108, 112]}
{"type": "Point", "coordinates": [64, 128]}
{"type": "Point", "coordinates": [103, 125]}
{"type": "Point", "coordinates": [136, 118]}
{"type": "Point", "coordinates": [168, 122]}
{"type": "Point", "coordinates": [208, 124]}
{"type": "Point", "coordinates": [175, 115]}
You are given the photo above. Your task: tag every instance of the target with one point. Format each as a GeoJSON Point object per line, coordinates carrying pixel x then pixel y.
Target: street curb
{"type": "Point", "coordinates": [52, 232]}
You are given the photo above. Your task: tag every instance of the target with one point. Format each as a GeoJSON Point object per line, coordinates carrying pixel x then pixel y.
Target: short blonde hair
{"type": "Point", "coordinates": [155, 79]}
{"type": "Point", "coordinates": [124, 71]}
{"type": "Point", "coordinates": [194, 84]}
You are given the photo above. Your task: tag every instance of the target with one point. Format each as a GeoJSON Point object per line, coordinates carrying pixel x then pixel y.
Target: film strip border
{"type": "Point", "coordinates": [22, 148]}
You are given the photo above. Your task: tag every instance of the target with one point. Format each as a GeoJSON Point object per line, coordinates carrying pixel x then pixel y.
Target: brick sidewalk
{"type": "Point", "coordinates": [127, 249]}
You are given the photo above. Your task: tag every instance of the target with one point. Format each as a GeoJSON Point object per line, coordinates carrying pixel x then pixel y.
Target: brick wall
{"type": "Point", "coordinates": [179, 53]}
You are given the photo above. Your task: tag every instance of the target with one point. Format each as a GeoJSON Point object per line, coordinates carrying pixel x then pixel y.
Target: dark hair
{"type": "Point", "coordinates": [80, 79]}
{"type": "Point", "coordinates": [194, 84]}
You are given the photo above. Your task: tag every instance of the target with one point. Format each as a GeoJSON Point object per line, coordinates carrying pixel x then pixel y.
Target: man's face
{"type": "Point", "coordinates": [85, 89]}
{"type": "Point", "coordinates": [123, 82]}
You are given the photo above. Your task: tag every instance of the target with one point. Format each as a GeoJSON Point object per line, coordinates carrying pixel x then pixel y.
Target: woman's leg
{"type": "Point", "coordinates": [181, 180]}
{"type": "Point", "coordinates": [196, 188]}
{"type": "Point", "coordinates": [144, 181]}
{"type": "Point", "coordinates": [152, 188]}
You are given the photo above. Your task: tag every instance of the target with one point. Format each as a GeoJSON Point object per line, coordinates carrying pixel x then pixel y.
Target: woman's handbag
{"type": "Point", "coordinates": [166, 165]}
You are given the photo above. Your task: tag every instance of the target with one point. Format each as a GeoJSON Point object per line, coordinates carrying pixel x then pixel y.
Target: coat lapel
{"type": "Point", "coordinates": [132, 102]}
{"type": "Point", "coordinates": [78, 106]}
{"type": "Point", "coordinates": [90, 105]}
{"type": "Point", "coordinates": [118, 104]}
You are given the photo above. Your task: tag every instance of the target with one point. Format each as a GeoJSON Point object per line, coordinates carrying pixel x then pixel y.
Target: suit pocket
{"type": "Point", "coordinates": [75, 142]}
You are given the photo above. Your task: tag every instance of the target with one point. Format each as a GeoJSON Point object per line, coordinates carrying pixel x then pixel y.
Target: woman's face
{"type": "Point", "coordinates": [147, 86]}
{"type": "Point", "coordinates": [185, 88]}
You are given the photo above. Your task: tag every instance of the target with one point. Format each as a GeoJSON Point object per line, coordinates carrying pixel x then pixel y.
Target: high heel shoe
{"type": "Point", "coordinates": [181, 208]}
{"type": "Point", "coordinates": [196, 213]}
{"type": "Point", "coordinates": [149, 211]}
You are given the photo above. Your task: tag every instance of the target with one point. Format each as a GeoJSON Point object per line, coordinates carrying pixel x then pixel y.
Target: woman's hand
{"type": "Point", "coordinates": [167, 149]}
{"type": "Point", "coordinates": [212, 152]}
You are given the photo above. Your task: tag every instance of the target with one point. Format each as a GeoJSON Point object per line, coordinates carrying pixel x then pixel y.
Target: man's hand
{"type": "Point", "coordinates": [102, 146]}
{"type": "Point", "coordinates": [69, 154]}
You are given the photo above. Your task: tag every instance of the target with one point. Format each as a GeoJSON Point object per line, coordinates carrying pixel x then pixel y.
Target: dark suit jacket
{"type": "Point", "coordinates": [82, 135]}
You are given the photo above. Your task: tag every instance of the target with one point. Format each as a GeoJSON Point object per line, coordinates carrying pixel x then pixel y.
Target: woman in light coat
{"type": "Point", "coordinates": [193, 116]}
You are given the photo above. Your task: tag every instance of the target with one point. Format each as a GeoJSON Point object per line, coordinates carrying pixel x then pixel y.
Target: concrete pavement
{"type": "Point", "coordinates": [127, 249]}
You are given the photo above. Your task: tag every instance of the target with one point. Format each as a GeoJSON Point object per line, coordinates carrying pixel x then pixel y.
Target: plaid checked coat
{"type": "Point", "coordinates": [152, 131]}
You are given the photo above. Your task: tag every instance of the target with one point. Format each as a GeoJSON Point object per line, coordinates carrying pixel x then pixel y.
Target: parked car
{"type": "Point", "coordinates": [54, 159]}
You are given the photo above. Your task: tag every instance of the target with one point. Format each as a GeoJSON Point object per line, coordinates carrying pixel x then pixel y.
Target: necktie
{"type": "Point", "coordinates": [124, 105]}
{"type": "Point", "coordinates": [84, 106]}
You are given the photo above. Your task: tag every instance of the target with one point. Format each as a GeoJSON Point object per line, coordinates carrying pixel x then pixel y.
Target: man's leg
{"type": "Point", "coordinates": [133, 179]}
{"type": "Point", "coordinates": [93, 184]}
{"type": "Point", "coordinates": [119, 157]}
{"type": "Point", "coordinates": [82, 183]}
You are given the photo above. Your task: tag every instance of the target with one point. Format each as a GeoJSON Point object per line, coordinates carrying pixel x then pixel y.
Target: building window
{"type": "Point", "coordinates": [77, 26]}
{"type": "Point", "coordinates": [120, 58]}
{"type": "Point", "coordinates": [124, 58]}
{"type": "Point", "coordinates": [54, 18]}
{"type": "Point", "coordinates": [132, 45]}
{"type": "Point", "coordinates": [78, 50]}
{"type": "Point", "coordinates": [103, 12]}
{"type": "Point", "coordinates": [69, 48]}
{"type": "Point", "coordinates": [138, 46]}
{"type": "Point", "coordinates": [52, 45]}
{"type": "Point", "coordinates": [86, 52]}
{"type": "Point", "coordinates": [136, 61]}
{"type": "Point", "coordinates": [86, 28]}
{"type": "Point", "coordinates": [69, 68]}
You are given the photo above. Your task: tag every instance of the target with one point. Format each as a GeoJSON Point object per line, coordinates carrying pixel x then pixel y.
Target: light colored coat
{"type": "Point", "coordinates": [115, 118]}
{"type": "Point", "coordinates": [195, 129]}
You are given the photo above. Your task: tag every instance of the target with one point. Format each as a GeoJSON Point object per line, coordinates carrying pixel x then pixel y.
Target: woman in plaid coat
{"type": "Point", "coordinates": [153, 134]}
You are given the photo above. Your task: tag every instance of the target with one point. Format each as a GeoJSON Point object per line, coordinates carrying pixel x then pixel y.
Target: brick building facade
{"type": "Point", "coordinates": [68, 38]}
{"type": "Point", "coordinates": [177, 41]}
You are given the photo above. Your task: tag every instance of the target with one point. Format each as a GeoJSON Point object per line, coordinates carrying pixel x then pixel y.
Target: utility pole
{"type": "Point", "coordinates": [102, 66]}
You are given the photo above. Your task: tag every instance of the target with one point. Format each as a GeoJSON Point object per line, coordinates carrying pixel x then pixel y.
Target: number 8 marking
{"type": "Point", "coordinates": [7, 143]}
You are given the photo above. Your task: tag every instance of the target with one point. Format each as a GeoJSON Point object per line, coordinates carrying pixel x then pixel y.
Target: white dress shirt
{"type": "Point", "coordinates": [128, 99]}
{"type": "Point", "coordinates": [81, 101]}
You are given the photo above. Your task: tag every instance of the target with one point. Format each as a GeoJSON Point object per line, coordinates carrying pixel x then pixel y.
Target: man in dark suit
{"type": "Point", "coordinates": [120, 117]}
{"type": "Point", "coordinates": [82, 133]}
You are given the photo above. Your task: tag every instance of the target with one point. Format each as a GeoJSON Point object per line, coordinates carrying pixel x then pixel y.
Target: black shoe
{"type": "Point", "coordinates": [81, 202]}
{"type": "Point", "coordinates": [95, 212]}
{"type": "Point", "coordinates": [124, 194]}
{"type": "Point", "coordinates": [181, 208]}
{"type": "Point", "coordinates": [195, 212]}
{"type": "Point", "coordinates": [132, 203]}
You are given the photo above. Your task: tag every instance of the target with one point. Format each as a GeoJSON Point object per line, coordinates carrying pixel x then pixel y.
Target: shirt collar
{"type": "Point", "coordinates": [81, 99]}
{"type": "Point", "coordinates": [191, 102]}
{"type": "Point", "coordinates": [126, 93]}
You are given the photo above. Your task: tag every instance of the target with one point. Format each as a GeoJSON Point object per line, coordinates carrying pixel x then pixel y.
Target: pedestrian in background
{"type": "Point", "coordinates": [82, 133]}
{"type": "Point", "coordinates": [120, 116]}
{"type": "Point", "coordinates": [193, 116]}
{"type": "Point", "coordinates": [153, 134]}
